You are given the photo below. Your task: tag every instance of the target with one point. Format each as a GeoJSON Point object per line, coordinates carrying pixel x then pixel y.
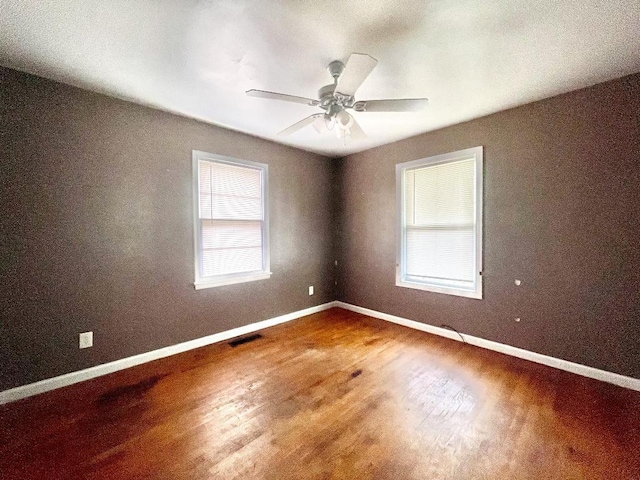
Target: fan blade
{"type": "Point", "coordinates": [282, 96]}
{"type": "Point", "coordinates": [301, 124]}
{"type": "Point", "coordinates": [355, 130]}
{"type": "Point", "coordinates": [397, 105]}
{"type": "Point", "coordinates": [358, 68]}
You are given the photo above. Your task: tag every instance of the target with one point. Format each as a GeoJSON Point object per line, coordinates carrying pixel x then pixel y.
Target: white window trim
{"type": "Point", "coordinates": [232, 278]}
{"type": "Point", "coordinates": [401, 281]}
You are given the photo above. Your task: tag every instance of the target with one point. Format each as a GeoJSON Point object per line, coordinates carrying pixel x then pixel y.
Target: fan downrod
{"type": "Point", "coordinates": [327, 96]}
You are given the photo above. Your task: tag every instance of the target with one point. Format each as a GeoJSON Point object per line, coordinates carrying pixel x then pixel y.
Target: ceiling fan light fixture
{"type": "Point", "coordinates": [329, 121]}
{"type": "Point", "coordinates": [344, 120]}
{"type": "Point", "coordinates": [318, 124]}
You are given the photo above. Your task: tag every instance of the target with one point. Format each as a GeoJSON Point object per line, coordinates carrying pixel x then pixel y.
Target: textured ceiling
{"type": "Point", "coordinates": [197, 58]}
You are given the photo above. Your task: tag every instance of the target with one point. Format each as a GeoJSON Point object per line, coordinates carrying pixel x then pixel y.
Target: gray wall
{"type": "Point", "coordinates": [96, 230]}
{"type": "Point", "coordinates": [561, 213]}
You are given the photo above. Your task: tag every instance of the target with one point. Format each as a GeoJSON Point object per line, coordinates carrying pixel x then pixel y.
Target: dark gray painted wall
{"type": "Point", "coordinates": [561, 213]}
{"type": "Point", "coordinates": [96, 235]}
{"type": "Point", "coordinates": [96, 229]}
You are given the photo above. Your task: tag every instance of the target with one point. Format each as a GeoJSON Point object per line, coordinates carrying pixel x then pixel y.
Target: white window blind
{"type": "Point", "coordinates": [439, 231]}
{"type": "Point", "coordinates": [231, 224]}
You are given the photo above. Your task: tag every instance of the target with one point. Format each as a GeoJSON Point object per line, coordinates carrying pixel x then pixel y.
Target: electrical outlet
{"type": "Point", "coordinates": [311, 290]}
{"type": "Point", "coordinates": [86, 340]}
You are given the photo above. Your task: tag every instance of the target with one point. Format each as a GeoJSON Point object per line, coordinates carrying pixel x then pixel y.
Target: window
{"type": "Point", "coordinates": [231, 228]}
{"type": "Point", "coordinates": [440, 223]}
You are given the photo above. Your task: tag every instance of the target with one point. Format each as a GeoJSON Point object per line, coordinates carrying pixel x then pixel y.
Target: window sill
{"type": "Point", "coordinates": [440, 289]}
{"type": "Point", "coordinates": [232, 280]}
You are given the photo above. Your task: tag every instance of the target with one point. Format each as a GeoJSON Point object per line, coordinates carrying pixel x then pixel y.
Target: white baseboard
{"type": "Point", "coordinates": [615, 378]}
{"type": "Point", "coordinates": [42, 386]}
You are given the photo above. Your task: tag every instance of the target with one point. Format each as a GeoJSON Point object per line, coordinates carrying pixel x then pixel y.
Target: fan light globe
{"type": "Point", "coordinates": [344, 119]}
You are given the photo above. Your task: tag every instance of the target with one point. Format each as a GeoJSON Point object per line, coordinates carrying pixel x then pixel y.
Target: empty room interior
{"type": "Point", "coordinates": [320, 240]}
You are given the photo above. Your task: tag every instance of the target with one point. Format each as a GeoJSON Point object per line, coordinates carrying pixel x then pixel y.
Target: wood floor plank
{"type": "Point", "coordinates": [333, 395]}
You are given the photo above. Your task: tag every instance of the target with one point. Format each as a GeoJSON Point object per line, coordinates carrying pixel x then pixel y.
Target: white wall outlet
{"type": "Point", "coordinates": [86, 340]}
{"type": "Point", "coordinates": [518, 283]}
{"type": "Point", "coordinates": [517, 319]}
{"type": "Point", "coordinates": [311, 290]}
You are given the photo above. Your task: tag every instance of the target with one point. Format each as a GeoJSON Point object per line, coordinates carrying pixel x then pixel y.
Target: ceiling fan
{"type": "Point", "coordinates": [337, 98]}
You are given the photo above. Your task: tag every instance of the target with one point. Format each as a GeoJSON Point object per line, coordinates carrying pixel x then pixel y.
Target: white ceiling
{"type": "Point", "coordinates": [197, 58]}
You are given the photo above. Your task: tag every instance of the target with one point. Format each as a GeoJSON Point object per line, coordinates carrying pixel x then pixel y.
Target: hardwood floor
{"type": "Point", "coordinates": [335, 395]}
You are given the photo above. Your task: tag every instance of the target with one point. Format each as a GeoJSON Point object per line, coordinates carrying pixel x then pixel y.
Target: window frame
{"type": "Point", "coordinates": [202, 282]}
{"type": "Point", "coordinates": [401, 277]}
